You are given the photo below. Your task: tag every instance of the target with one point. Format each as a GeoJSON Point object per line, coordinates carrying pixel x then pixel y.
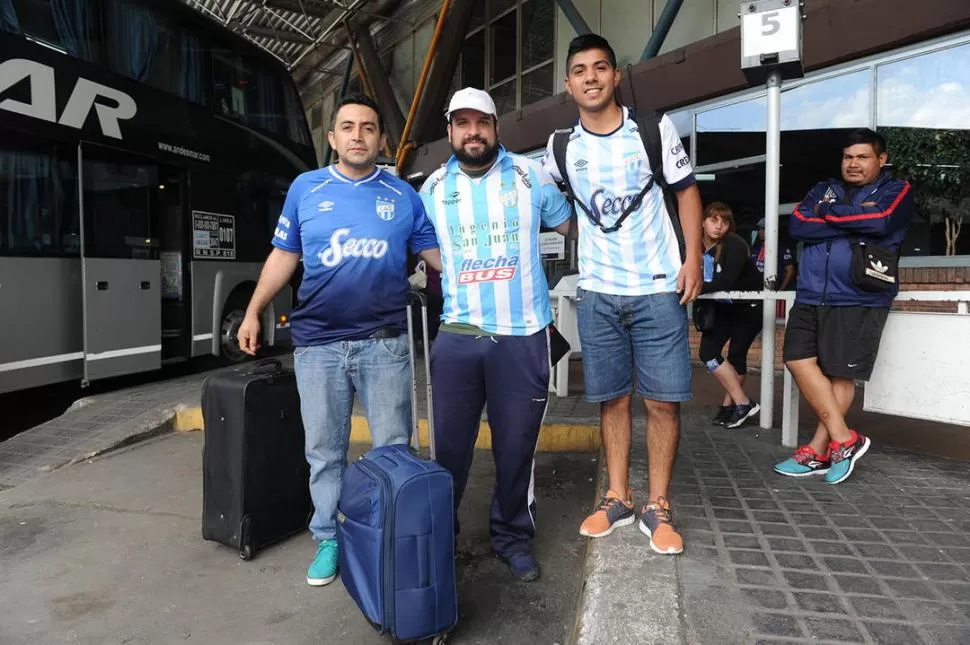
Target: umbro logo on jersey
{"type": "Point", "coordinates": [581, 163]}
{"type": "Point", "coordinates": [325, 207]}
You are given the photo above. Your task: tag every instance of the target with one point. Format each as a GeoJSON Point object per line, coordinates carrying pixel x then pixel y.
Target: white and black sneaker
{"type": "Point", "coordinates": [742, 413]}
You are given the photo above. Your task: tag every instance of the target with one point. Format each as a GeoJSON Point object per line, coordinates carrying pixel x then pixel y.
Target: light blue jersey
{"type": "Point", "coordinates": [606, 173]}
{"type": "Point", "coordinates": [488, 233]}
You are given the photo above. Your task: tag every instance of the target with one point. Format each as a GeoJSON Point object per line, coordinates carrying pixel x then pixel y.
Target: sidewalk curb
{"type": "Point", "coordinates": [554, 437]}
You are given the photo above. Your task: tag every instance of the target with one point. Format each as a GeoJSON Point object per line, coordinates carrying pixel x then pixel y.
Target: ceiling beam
{"type": "Point", "coordinates": [270, 32]}
{"type": "Point", "coordinates": [301, 8]}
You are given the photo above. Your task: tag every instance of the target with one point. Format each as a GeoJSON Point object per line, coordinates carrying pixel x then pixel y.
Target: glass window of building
{"type": "Point", "coordinates": [730, 132]}
{"type": "Point", "coordinates": [923, 111]}
{"type": "Point", "coordinates": [512, 55]}
{"type": "Point", "coordinates": [816, 118]}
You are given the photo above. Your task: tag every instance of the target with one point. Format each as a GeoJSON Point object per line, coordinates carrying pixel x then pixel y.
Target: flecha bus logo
{"type": "Point", "coordinates": [498, 269]}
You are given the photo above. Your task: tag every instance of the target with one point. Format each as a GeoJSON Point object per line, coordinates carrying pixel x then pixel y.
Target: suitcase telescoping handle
{"type": "Point", "coordinates": [419, 298]}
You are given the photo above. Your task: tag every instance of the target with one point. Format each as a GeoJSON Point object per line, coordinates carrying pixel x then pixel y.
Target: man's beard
{"type": "Point", "coordinates": [483, 158]}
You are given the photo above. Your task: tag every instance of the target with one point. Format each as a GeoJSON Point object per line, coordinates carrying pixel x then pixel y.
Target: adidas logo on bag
{"type": "Point", "coordinates": [878, 270]}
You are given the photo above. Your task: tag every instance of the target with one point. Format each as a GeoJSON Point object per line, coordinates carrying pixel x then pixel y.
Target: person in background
{"type": "Point", "coordinates": [728, 267]}
{"type": "Point", "coordinates": [843, 298]}
{"type": "Point", "coordinates": [786, 261]}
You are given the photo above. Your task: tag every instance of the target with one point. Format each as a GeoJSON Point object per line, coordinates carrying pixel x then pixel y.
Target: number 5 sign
{"type": "Point", "coordinates": [771, 38]}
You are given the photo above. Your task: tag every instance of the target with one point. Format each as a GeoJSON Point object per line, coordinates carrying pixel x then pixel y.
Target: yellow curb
{"type": "Point", "coordinates": [554, 437]}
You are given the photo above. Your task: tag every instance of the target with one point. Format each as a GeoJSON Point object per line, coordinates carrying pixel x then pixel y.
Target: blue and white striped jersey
{"type": "Point", "coordinates": [488, 233]}
{"type": "Point", "coordinates": [607, 172]}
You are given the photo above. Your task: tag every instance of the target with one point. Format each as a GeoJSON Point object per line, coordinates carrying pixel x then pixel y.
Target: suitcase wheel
{"type": "Point", "coordinates": [441, 639]}
{"type": "Point", "coordinates": [245, 548]}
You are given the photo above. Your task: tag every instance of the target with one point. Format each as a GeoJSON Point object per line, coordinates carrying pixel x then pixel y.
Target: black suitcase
{"type": "Point", "coordinates": [255, 478]}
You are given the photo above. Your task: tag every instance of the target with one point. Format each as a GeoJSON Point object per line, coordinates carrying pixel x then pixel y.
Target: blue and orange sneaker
{"type": "Point", "coordinates": [804, 463]}
{"type": "Point", "coordinates": [611, 514]}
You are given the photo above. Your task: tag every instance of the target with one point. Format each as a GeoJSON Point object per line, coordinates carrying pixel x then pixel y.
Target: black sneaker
{"type": "Point", "coordinates": [723, 414]}
{"type": "Point", "coordinates": [741, 414]}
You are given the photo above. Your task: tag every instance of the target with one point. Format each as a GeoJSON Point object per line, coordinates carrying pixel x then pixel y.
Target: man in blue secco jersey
{"type": "Point", "coordinates": [353, 224]}
{"type": "Point", "coordinates": [487, 205]}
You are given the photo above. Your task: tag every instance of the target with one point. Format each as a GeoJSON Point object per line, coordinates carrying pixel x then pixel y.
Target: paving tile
{"type": "Point", "coordinates": [758, 577]}
{"type": "Point", "coordinates": [831, 548]}
{"type": "Point", "coordinates": [820, 603]}
{"type": "Point", "coordinates": [795, 561]}
{"type": "Point", "coordinates": [894, 568]}
{"type": "Point", "coordinates": [801, 580]}
{"type": "Point", "coordinates": [765, 598]}
{"type": "Point", "coordinates": [943, 572]}
{"type": "Point", "coordinates": [784, 530]}
{"type": "Point", "coordinates": [776, 625]}
{"type": "Point", "coordinates": [845, 565]}
{"type": "Point", "coordinates": [918, 554]}
{"type": "Point", "coordinates": [910, 588]}
{"type": "Point", "coordinates": [894, 634]}
{"type": "Point", "coordinates": [741, 542]}
{"type": "Point", "coordinates": [875, 551]}
{"type": "Point", "coordinates": [834, 630]}
{"type": "Point", "coordinates": [934, 612]}
{"type": "Point", "coordinates": [818, 533]}
{"type": "Point", "coordinates": [785, 544]}
{"type": "Point", "coordinates": [859, 585]}
{"type": "Point", "coordinates": [748, 558]}
{"type": "Point", "coordinates": [877, 608]}
{"type": "Point", "coordinates": [957, 592]}
{"type": "Point", "coordinates": [948, 634]}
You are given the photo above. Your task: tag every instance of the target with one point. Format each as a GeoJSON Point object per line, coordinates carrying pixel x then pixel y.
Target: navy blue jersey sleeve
{"type": "Point", "coordinates": [287, 234]}
{"type": "Point", "coordinates": [423, 235]}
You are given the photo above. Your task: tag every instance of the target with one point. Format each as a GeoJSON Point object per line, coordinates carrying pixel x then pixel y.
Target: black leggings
{"type": "Point", "coordinates": [740, 323]}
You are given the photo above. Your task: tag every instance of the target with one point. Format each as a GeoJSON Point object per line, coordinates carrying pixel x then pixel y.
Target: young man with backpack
{"type": "Point", "coordinates": [639, 265]}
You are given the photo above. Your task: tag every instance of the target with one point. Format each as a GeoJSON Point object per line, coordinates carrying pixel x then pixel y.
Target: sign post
{"type": "Point", "coordinates": [771, 50]}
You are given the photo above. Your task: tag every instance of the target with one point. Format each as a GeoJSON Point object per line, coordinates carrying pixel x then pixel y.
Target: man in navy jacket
{"type": "Point", "coordinates": [835, 325]}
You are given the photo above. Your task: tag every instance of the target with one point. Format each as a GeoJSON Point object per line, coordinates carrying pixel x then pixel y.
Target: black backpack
{"type": "Point", "coordinates": [648, 125]}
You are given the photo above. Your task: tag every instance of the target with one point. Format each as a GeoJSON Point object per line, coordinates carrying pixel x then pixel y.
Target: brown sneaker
{"type": "Point", "coordinates": [612, 513]}
{"type": "Point", "coordinates": [655, 524]}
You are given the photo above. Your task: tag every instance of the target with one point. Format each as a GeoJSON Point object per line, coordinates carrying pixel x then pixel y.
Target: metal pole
{"type": "Point", "coordinates": [660, 32]}
{"type": "Point", "coordinates": [772, 163]}
{"type": "Point", "coordinates": [343, 92]}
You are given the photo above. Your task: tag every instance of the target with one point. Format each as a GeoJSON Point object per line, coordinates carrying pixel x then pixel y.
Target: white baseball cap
{"type": "Point", "coordinates": [470, 98]}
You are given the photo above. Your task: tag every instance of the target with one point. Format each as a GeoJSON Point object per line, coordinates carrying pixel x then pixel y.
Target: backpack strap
{"type": "Point", "coordinates": [648, 123]}
{"type": "Point", "coordinates": [560, 140]}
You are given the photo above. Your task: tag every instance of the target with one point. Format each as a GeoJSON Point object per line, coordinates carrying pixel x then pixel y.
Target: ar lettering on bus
{"type": "Point", "coordinates": [342, 246]}
{"type": "Point", "coordinates": [43, 98]}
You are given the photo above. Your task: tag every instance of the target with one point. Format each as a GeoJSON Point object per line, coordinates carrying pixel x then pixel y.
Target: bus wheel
{"type": "Point", "coordinates": [232, 319]}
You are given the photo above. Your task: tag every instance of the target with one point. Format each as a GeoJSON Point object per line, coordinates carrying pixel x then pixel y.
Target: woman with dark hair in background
{"type": "Point", "coordinates": [728, 267]}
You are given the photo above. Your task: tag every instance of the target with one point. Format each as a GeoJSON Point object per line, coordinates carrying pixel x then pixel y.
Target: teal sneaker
{"type": "Point", "coordinates": [844, 456]}
{"type": "Point", "coordinates": [323, 569]}
{"type": "Point", "coordinates": [804, 463]}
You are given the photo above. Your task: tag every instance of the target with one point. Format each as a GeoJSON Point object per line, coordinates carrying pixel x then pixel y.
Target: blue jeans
{"type": "Point", "coordinates": [328, 376]}
{"type": "Point", "coordinates": [626, 335]}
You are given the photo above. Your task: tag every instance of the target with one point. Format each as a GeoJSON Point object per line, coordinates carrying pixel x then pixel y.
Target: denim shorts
{"type": "Point", "coordinates": [623, 336]}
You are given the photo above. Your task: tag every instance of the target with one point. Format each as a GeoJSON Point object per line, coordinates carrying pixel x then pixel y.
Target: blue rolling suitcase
{"type": "Point", "coordinates": [396, 536]}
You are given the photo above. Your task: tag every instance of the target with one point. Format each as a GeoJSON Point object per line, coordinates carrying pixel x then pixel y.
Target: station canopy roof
{"type": "Point", "coordinates": [307, 36]}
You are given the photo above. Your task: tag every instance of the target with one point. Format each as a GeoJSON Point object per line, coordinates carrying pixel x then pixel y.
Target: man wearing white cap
{"type": "Point", "coordinates": [492, 349]}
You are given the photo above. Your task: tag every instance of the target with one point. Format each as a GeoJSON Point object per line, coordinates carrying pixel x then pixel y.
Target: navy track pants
{"type": "Point", "coordinates": [509, 374]}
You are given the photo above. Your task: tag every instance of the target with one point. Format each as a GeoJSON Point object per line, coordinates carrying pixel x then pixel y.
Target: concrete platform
{"type": "Point", "coordinates": [109, 550]}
